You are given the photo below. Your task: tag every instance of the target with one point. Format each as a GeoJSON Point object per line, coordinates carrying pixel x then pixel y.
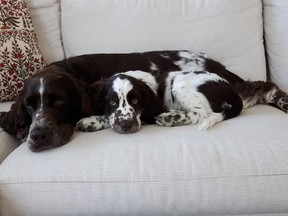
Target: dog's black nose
{"type": "Point", "coordinates": [126, 125]}
{"type": "Point", "coordinates": [40, 135]}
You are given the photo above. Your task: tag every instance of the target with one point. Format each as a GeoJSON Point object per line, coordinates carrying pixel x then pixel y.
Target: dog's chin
{"type": "Point", "coordinates": [121, 130]}
{"type": "Point", "coordinates": [37, 148]}
{"type": "Point", "coordinates": [62, 137]}
{"type": "Point", "coordinates": [41, 147]}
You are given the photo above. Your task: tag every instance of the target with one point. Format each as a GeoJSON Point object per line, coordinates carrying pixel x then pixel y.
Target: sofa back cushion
{"type": "Point", "coordinates": [276, 35]}
{"type": "Point", "coordinates": [229, 31]}
{"type": "Point", "coordinates": [46, 19]}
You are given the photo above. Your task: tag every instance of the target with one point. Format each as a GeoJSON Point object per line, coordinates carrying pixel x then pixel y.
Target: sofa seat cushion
{"type": "Point", "coordinates": [238, 166]}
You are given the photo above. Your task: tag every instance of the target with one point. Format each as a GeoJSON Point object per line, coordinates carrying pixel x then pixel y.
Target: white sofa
{"type": "Point", "coordinates": [238, 167]}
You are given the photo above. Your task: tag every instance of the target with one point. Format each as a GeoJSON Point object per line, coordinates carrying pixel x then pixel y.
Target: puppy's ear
{"type": "Point", "coordinates": [98, 91]}
{"type": "Point", "coordinates": [16, 121]}
{"type": "Point", "coordinates": [153, 105]}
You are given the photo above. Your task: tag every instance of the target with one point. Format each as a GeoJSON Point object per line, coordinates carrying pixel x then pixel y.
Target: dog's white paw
{"type": "Point", "coordinates": [210, 121]}
{"type": "Point", "coordinates": [283, 104]}
{"type": "Point", "coordinates": [92, 123]}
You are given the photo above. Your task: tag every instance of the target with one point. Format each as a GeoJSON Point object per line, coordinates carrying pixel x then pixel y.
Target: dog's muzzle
{"type": "Point", "coordinates": [46, 134]}
{"type": "Point", "coordinates": [129, 125]}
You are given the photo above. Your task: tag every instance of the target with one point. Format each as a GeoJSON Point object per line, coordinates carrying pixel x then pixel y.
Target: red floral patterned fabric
{"type": "Point", "coordinates": [20, 55]}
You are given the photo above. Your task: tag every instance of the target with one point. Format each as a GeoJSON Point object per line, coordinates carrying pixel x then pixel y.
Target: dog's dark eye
{"type": "Point", "coordinates": [58, 102]}
{"type": "Point", "coordinates": [31, 102]}
{"type": "Point", "coordinates": [134, 101]}
{"type": "Point", "coordinates": [133, 97]}
{"type": "Point", "coordinates": [55, 100]}
{"type": "Point", "coordinates": [112, 102]}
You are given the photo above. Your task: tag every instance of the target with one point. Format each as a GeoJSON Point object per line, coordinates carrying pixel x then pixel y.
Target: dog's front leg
{"type": "Point", "coordinates": [93, 123]}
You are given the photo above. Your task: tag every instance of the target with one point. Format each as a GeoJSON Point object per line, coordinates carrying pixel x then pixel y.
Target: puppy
{"type": "Point", "coordinates": [126, 100]}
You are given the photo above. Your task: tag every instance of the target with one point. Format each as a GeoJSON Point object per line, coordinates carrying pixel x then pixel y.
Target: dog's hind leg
{"type": "Point", "coordinates": [211, 120]}
{"type": "Point", "coordinates": [179, 118]}
{"type": "Point", "coordinates": [260, 92]}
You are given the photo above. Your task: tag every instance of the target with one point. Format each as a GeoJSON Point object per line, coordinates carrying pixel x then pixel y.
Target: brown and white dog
{"type": "Point", "coordinates": [194, 96]}
{"type": "Point", "coordinates": [47, 109]}
{"type": "Point", "coordinates": [126, 100]}
{"type": "Point", "coordinates": [54, 99]}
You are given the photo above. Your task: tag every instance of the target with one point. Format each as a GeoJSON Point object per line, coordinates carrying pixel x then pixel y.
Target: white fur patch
{"type": "Point", "coordinates": [182, 94]}
{"type": "Point", "coordinates": [181, 91]}
{"type": "Point", "coordinates": [153, 67]}
{"type": "Point", "coordinates": [146, 77]}
{"type": "Point", "coordinates": [124, 110]}
{"type": "Point", "coordinates": [122, 86]}
{"type": "Point", "coordinates": [211, 120]}
{"type": "Point", "coordinates": [41, 93]}
{"type": "Point", "coordinates": [191, 61]}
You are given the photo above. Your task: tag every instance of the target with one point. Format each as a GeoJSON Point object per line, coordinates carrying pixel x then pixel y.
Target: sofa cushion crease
{"type": "Point", "coordinates": [119, 181]}
{"type": "Point", "coordinates": [194, 197]}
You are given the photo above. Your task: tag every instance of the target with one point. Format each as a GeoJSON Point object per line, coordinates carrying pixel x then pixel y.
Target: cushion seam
{"type": "Point", "coordinates": [143, 180]}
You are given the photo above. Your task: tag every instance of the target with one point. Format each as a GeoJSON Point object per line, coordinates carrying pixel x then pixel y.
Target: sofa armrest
{"type": "Point", "coordinates": [276, 34]}
{"type": "Point", "coordinates": [7, 142]}
{"type": "Point", "coordinates": [7, 145]}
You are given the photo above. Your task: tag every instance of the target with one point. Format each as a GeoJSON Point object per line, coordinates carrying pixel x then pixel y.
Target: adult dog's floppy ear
{"type": "Point", "coordinates": [16, 121]}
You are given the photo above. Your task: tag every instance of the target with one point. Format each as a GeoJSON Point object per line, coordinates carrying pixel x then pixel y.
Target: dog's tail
{"type": "Point", "coordinates": [260, 92]}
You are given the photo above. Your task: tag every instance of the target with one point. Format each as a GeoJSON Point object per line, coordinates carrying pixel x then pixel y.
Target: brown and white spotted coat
{"type": "Point", "coordinates": [201, 91]}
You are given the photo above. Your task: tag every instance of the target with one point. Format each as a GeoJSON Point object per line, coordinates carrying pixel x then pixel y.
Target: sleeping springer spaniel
{"type": "Point", "coordinates": [175, 98]}
{"type": "Point", "coordinates": [54, 99]}
{"type": "Point", "coordinates": [47, 109]}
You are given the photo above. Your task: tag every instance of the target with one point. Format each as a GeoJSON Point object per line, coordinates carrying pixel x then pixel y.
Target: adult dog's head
{"type": "Point", "coordinates": [127, 99]}
{"type": "Point", "coordinates": [47, 109]}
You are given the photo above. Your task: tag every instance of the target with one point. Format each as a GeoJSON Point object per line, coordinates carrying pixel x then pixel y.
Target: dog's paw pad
{"type": "Point", "coordinates": [163, 120]}
{"type": "Point", "coordinates": [168, 119]}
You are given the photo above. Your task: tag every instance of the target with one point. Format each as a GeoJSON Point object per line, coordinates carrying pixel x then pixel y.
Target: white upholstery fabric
{"type": "Point", "coordinates": [7, 142]}
{"type": "Point", "coordinates": [229, 169]}
{"type": "Point", "coordinates": [5, 106]}
{"type": "Point", "coordinates": [230, 31]}
{"type": "Point", "coordinates": [238, 167]}
{"type": "Point", "coordinates": [276, 35]}
{"type": "Point", "coordinates": [46, 20]}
